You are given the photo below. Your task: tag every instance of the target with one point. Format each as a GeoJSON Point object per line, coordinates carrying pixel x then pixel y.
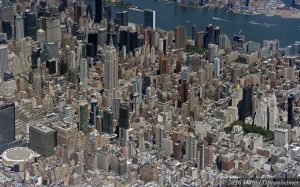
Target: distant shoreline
{"type": "Point", "coordinates": [280, 13]}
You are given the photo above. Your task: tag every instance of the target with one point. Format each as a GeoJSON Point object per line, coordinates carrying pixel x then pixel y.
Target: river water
{"type": "Point", "coordinates": [255, 27]}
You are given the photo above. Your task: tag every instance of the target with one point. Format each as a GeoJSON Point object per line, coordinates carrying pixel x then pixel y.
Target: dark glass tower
{"type": "Point", "coordinates": [107, 12]}
{"type": "Point", "coordinates": [217, 32]}
{"type": "Point", "coordinates": [149, 18]}
{"type": "Point", "coordinates": [93, 39]}
{"type": "Point", "coordinates": [291, 109]}
{"type": "Point", "coordinates": [210, 34]}
{"type": "Point", "coordinates": [107, 121]}
{"type": "Point", "coordinates": [122, 18]}
{"type": "Point", "coordinates": [245, 105]}
{"type": "Point", "coordinates": [30, 24]}
{"type": "Point", "coordinates": [7, 124]}
{"type": "Point", "coordinates": [98, 11]}
{"type": "Point", "coordinates": [6, 28]}
{"type": "Point", "coordinates": [124, 115]}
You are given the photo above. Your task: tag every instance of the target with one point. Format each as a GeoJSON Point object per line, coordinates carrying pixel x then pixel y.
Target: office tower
{"type": "Point", "coordinates": [180, 34]}
{"type": "Point", "coordinates": [7, 123]}
{"type": "Point", "coordinates": [108, 121]}
{"type": "Point", "coordinates": [118, 165]}
{"type": "Point", "coordinates": [7, 29]}
{"type": "Point", "coordinates": [159, 136]}
{"type": "Point", "coordinates": [133, 41]}
{"type": "Point", "coordinates": [291, 110]}
{"type": "Point", "coordinates": [19, 27]}
{"type": "Point", "coordinates": [149, 18]}
{"type": "Point", "coordinates": [83, 72]}
{"type": "Point", "coordinates": [212, 52]}
{"type": "Point", "coordinates": [216, 67]}
{"type": "Point", "coordinates": [30, 24]}
{"type": "Point", "coordinates": [77, 12]}
{"type": "Point", "coordinates": [261, 116]}
{"type": "Point", "coordinates": [184, 91]}
{"type": "Point", "coordinates": [224, 42]}
{"type": "Point", "coordinates": [3, 60]}
{"type": "Point", "coordinates": [200, 156]}
{"type": "Point", "coordinates": [52, 50]}
{"type": "Point", "coordinates": [103, 159]}
{"type": "Point", "coordinates": [53, 32]}
{"type": "Point", "coordinates": [98, 11]}
{"type": "Point", "coordinates": [124, 115]}
{"type": "Point", "coordinates": [245, 105]}
{"type": "Point", "coordinates": [200, 39]}
{"type": "Point", "coordinates": [121, 18]}
{"type": "Point", "coordinates": [93, 38]}
{"type": "Point", "coordinates": [194, 32]}
{"type": "Point", "coordinates": [42, 139]}
{"type": "Point", "coordinates": [252, 47]}
{"type": "Point", "coordinates": [281, 137]}
{"type": "Point", "coordinates": [190, 147]}
{"type": "Point", "coordinates": [273, 112]}
{"type": "Point", "coordinates": [36, 54]}
{"type": "Point", "coordinates": [164, 63]}
{"type": "Point", "coordinates": [217, 33]}
{"type": "Point", "coordinates": [137, 93]}
{"type": "Point", "coordinates": [102, 37]}
{"type": "Point", "coordinates": [83, 117]}
{"type": "Point", "coordinates": [111, 68]}
{"type": "Point", "coordinates": [94, 112]}
{"type": "Point", "coordinates": [37, 85]}
{"type": "Point", "coordinates": [51, 65]}
{"type": "Point", "coordinates": [210, 34]}
{"type": "Point", "coordinates": [107, 12]}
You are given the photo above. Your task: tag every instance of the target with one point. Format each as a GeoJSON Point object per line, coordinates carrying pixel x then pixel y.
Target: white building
{"type": "Point", "coordinates": [281, 137]}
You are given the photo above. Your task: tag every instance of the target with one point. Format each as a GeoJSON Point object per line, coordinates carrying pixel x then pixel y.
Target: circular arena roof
{"type": "Point", "coordinates": [17, 155]}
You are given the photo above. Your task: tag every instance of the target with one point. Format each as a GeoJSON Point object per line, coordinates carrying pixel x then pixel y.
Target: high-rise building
{"type": "Point", "coordinates": [291, 110]}
{"type": "Point", "coordinates": [190, 147]}
{"type": "Point", "coordinates": [107, 12]}
{"type": "Point", "coordinates": [217, 33]}
{"type": "Point", "coordinates": [164, 63]}
{"type": "Point", "coordinates": [111, 68]}
{"type": "Point", "coordinates": [261, 116]}
{"type": "Point", "coordinates": [281, 137]}
{"type": "Point", "coordinates": [200, 161]}
{"type": "Point", "coordinates": [30, 28]}
{"type": "Point", "coordinates": [122, 18]}
{"type": "Point", "coordinates": [42, 139]}
{"type": "Point", "coordinates": [93, 39]}
{"type": "Point", "coordinates": [7, 28]}
{"type": "Point", "coordinates": [210, 34]}
{"type": "Point", "coordinates": [83, 117]}
{"type": "Point", "coordinates": [216, 67]}
{"type": "Point", "coordinates": [124, 115]}
{"type": "Point", "coordinates": [94, 111]}
{"type": "Point", "coordinates": [245, 105]}
{"type": "Point", "coordinates": [212, 52]}
{"type": "Point", "coordinates": [83, 72]}
{"type": "Point", "coordinates": [3, 60]}
{"type": "Point", "coordinates": [7, 123]}
{"type": "Point", "coordinates": [53, 32]}
{"type": "Point", "coordinates": [19, 27]}
{"type": "Point", "coordinates": [200, 39]}
{"type": "Point", "coordinates": [107, 121]}
{"type": "Point", "coordinates": [149, 18]}
{"type": "Point", "coordinates": [180, 34]}
{"type": "Point", "coordinates": [159, 136]}
{"type": "Point", "coordinates": [98, 11]}
{"type": "Point", "coordinates": [273, 112]}
{"type": "Point", "coordinates": [77, 12]}
{"type": "Point", "coordinates": [194, 32]}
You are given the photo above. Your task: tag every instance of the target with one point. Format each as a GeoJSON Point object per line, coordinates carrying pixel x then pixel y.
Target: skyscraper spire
{"type": "Point", "coordinates": [111, 45]}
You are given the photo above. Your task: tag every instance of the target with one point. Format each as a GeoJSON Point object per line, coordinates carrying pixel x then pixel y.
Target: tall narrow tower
{"type": "Point", "coordinates": [111, 68]}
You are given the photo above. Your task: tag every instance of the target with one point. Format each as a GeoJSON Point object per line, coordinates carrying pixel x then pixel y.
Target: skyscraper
{"type": "Point", "coordinates": [30, 28]}
{"type": "Point", "coordinates": [42, 139]}
{"type": "Point", "coordinates": [149, 18]}
{"type": "Point", "coordinates": [7, 123]}
{"type": "Point", "coordinates": [273, 112]}
{"type": "Point", "coordinates": [111, 68]}
{"type": "Point", "coordinates": [216, 67]}
{"type": "Point", "coordinates": [83, 117]}
{"type": "Point", "coordinates": [245, 105]}
{"type": "Point", "coordinates": [121, 18]}
{"type": "Point", "coordinates": [180, 34]}
{"type": "Point", "coordinates": [107, 121]}
{"type": "Point", "coordinates": [194, 32]}
{"type": "Point", "coordinates": [291, 109]}
{"type": "Point", "coordinates": [124, 115]}
{"type": "Point", "coordinates": [190, 147]}
{"type": "Point", "coordinates": [19, 27]}
{"type": "Point", "coordinates": [3, 60]}
{"type": "Point", "coordinates": [217, 33]}
{"type": "Point", "coordinates": [210, 34]}
{"type": "Point", "coordinates": [83, 72]}
{"type": "Point", "coordinates": [98, 11]}
{"type": "Point", "coordinates": [7, 29]}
